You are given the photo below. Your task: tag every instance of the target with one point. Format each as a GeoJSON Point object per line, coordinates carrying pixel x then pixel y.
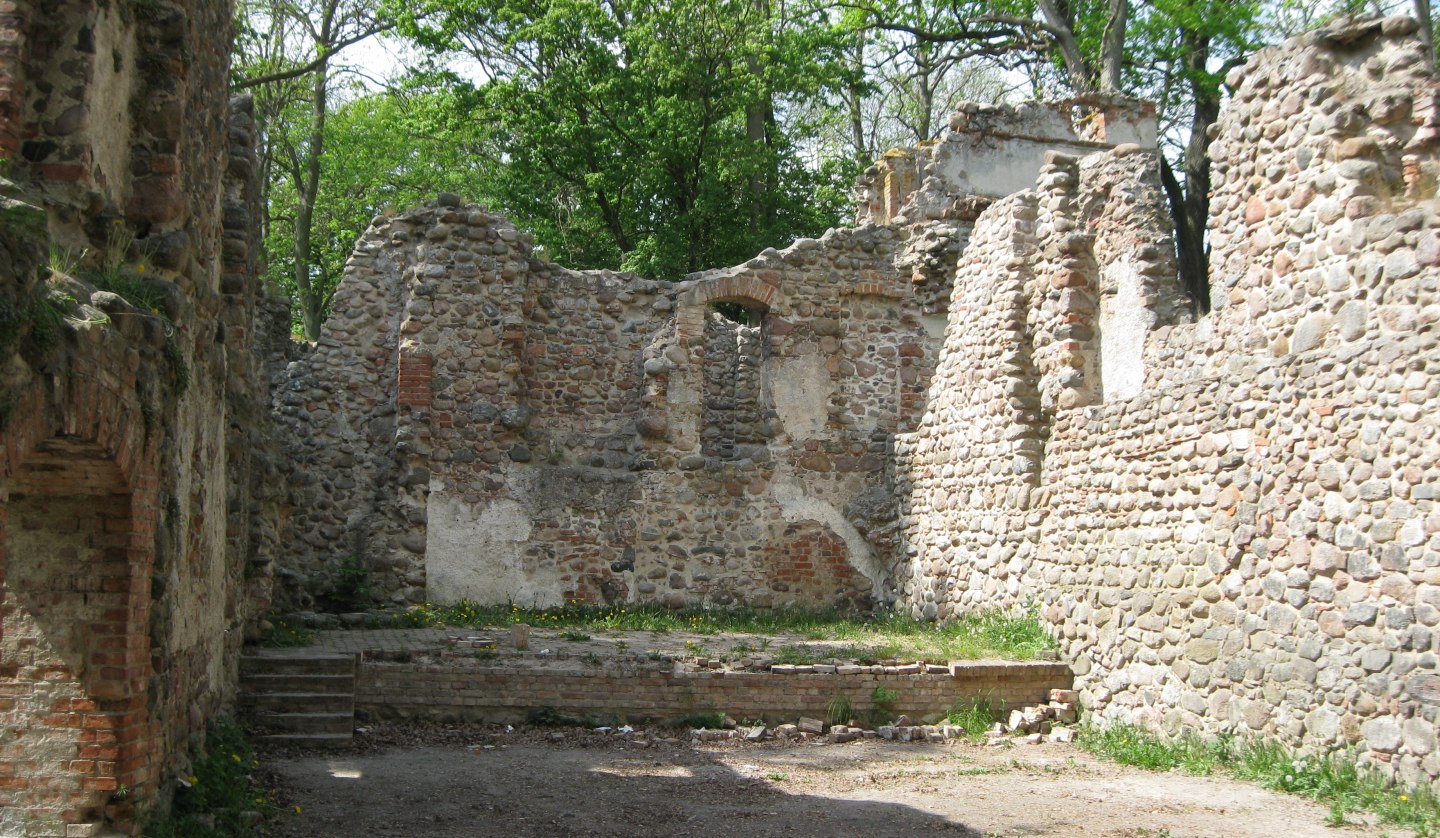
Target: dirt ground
{"type": "Point", "coordinates": [409, 780]}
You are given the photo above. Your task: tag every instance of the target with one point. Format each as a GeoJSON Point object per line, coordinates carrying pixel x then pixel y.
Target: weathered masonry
{"type": "Point", "coordinates": [991, 392]}
{"type": "Point", "coordinates": [480, 424]}
{"type": "Point", "coordinates": [131, 441]}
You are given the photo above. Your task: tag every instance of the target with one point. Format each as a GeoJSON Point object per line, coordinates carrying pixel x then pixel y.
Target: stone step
{"type": "Point", "coordinates": [309, 740]}
{"type": "Point", "coordinates": [297, 683]}
{"type": "Point", "coordinates": [336, 723]}
{"type": "Point", "coordinates": [298, 702]}
{"type": "Point", "coordinates": [308, 664]}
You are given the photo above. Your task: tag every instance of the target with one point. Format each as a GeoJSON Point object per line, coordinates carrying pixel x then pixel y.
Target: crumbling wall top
{"type": "Point", "coordinates": [991, 151]}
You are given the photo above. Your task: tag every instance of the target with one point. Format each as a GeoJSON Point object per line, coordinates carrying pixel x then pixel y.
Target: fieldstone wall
{"type": "Point", "coordinates": [1226, 520]}
{"type": "Point", "coordinates": [132, 454]}
{"type": "Point", "coordinates": [553, 435]}
{"type": "Point", "coordinates": [480, 424]}
{"type": "Point", "coordinates": [1231, 527]}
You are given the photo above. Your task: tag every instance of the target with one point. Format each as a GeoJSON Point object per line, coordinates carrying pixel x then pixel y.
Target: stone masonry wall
{"type": "Point", "coordinates": [1232, 530]}
{"type": "Point", "coordinates": [476, 423]}
{"type": "Point", "coordinates": [128, 435]}
{"type": "Point", "coordinates": [557, 435]}
{"type": "Point", "coordinates": [1227, 521]}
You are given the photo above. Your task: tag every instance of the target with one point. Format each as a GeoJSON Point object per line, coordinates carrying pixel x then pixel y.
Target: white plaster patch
{"type": "Point", "coordinates": [477, 554]}
{"type": "Point", "coordinates": [801, 389]}
{"type": "Point", "coordinates": [934, 325]}
{"type": "Point", "coordinates": [1124, 320]}
{"type": "Point", "coordinates": [796, 506]}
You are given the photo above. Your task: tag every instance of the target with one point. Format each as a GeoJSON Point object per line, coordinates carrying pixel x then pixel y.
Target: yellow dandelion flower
{"type": "Point", "coordinates": [297, 808]}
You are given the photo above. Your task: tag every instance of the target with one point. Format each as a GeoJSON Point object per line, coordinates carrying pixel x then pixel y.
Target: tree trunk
{"type": "Point", "coordinates": [1063, 30]}
{"type": "Point", "coordinates": [1427, 30]}
{"type": "Point", "coordinates": [1190, 202]}
{"type": "Point", "coordinates": [1112, 46]}
{"type": "Point", "coordinates": [312, 299]}
{"type": "Point", "coordinates": [864, 155]}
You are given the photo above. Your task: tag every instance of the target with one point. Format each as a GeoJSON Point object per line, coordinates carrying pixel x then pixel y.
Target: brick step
{"type": "Point", "coordinates": [336, 723]}
{"type": "Point", "coordinates": [270, 701]}
{"type": "Point", "coordinates": [309, 740]}
{"type": "Point", "coordinates": [310, 664]}
{"type": "Point", "coordinates": [297, 683]}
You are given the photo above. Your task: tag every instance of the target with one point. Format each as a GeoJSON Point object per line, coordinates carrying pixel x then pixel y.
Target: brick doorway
{"type": "Point", "coordinates": [74, 645]}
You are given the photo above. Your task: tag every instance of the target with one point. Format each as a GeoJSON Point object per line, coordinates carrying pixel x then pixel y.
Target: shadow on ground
{"type": "Point", "coordinates": [537, 790]}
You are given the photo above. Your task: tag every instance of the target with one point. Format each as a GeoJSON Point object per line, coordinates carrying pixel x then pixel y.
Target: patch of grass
{"type": "Point", "coordinates": [1132, 745]}
{"type": "Point", "coordinates": [577, 636]}
{"type": "Point", "coordinates": [974, 717]}
{"type": "Point", "coordinates": [221, 800]}
{"type": "Point", "coordinates": [839, 711]}
{"type": "Point", "coordinates": [882, 636]}
{"type": "Point", "coordinates": [794, 656]}
{"type": "Point", "coordinates": [777, 776]}
{"type": "Point", "coordinates": [884, 700]}
{"type": "Point", "coordinates": [282, 635]}
{"type": "Point", "coordinates": [1336, 780]}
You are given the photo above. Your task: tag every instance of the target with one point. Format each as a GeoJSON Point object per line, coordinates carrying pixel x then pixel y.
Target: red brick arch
{"type": "Point", "coordinates": [747, 289]}
{"type": "Point", "coordinates": [78, 501]}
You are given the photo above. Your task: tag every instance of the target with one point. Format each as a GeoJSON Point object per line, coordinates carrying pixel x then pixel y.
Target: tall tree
{"type": "Point", "coordinates": [287, 53]}
{"type": "Point", "coordinates": [384, 151]}
{"type": "Point", "coordinates": [642, 134]}
{"type": "Point", "coordinates": [1174, 51]}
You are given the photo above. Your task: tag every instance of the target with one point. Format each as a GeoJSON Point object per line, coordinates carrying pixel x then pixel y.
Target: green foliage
{"type": "Point", "coordinates": [350, 587]}
{"type": "Point", "coordinates": [384, 152]}
{"type": "Point", "coordinates": [645, 136]}
{"type": "Point", "coordinates": [975, 717]}
{"type": "Point", "coordinates": [884, 700]}
{"type": "Point", "coordinates": [1335, 779]}
{"type": "Point", "coordinates": [575, 636]}
{"type": "Point", "coordinates": [1131, 745]}
{"type": "Point", "coordinates": [1338, 780]}
{"type": "Point", "coordinates": [282, 635]}
{"type": "Point", "coordinates": [221, 800]}
{"type": "Point", "coordinates": [839, 710]}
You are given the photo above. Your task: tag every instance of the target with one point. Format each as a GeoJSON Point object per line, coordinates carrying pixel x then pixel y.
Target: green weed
{"type": "Point", "coordinates": [974, 717]}
{"type": "Point", "coordinates": [282, 635]}
{"type": "Point", "coordinates": [218, 800]}
{"type": "Point", "coordinates": [1335, 780]}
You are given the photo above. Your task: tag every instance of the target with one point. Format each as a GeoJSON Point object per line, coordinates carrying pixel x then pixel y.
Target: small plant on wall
{"type": "Point", "coordinates": [351, 589]}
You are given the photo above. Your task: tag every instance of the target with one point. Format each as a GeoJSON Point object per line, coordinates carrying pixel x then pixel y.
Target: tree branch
{"type": "Point", "coordinates": [306, 69]}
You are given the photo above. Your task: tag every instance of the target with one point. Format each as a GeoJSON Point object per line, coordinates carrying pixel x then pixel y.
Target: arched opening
{"type": "Point", "coordinates": [736, 418]}
{"type": "Point", "coordinates": [73, 643]}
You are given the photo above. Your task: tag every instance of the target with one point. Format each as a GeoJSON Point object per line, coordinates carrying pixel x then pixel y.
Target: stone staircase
{"type": "Point", "coordinates": [305, 699]}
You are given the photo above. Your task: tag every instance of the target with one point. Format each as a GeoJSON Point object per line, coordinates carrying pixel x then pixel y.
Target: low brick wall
{"type": "Point", "coordinates": [640, 693]}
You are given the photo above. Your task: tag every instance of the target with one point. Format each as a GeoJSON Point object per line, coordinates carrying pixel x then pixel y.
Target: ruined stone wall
{"type": "Point", "coordinates": [552, 435]}
{"type": "Point", "coordinates": [1232, 529]}
{"type": "Point", "coordinates": [476, 423]}
{"type": "Point", "coordinates": [133, 407]}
